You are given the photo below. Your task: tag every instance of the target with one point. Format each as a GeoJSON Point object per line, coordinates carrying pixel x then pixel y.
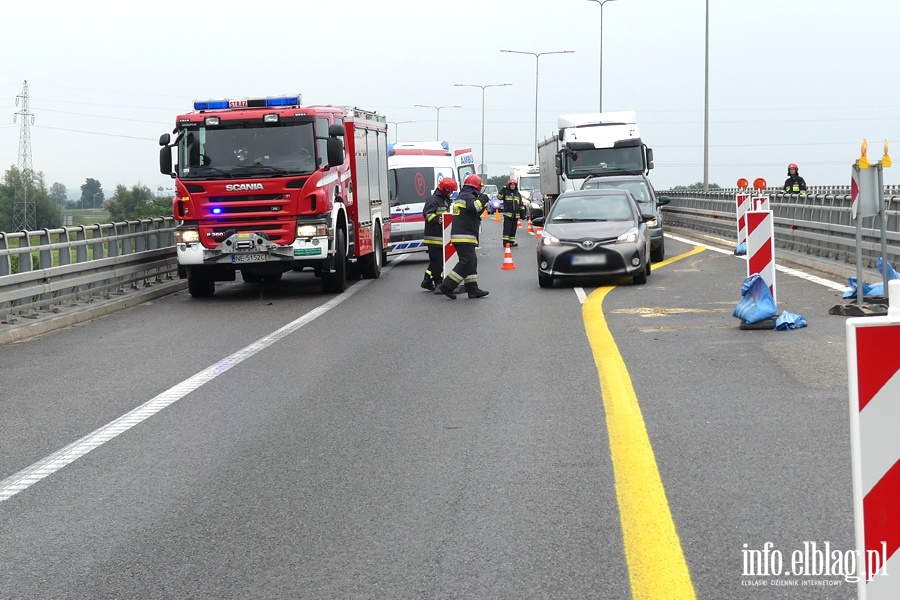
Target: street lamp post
{"type": "Point", "coordinates": [396, 125]}
{"type": "Point", "coordinates": [537, 56]}
{"type": "Point", "coordinates": [601, 3]}
{"type": "Point", "coordinates": [483, 87]}
{"type": "Point", "coordinates": [438, 109]}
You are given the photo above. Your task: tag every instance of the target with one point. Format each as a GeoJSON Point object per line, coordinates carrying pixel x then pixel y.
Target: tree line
{"type": "Point", "coordinates": [126, 204]}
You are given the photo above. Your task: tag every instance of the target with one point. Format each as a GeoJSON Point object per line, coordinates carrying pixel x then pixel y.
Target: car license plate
{"type": "Point", "coordinates": [242, 258]}
{"type": "Point", "coordinates": [589, 259]}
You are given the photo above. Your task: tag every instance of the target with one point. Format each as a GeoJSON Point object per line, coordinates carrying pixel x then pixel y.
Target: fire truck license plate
{"type": "Point", "coordinates": [240, 258]}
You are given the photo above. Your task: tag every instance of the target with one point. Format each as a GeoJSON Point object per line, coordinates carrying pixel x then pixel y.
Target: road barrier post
{"type": "Point", "coordinates": [873, 366]}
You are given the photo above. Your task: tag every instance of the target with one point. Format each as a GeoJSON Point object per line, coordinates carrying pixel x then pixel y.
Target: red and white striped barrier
{"type": "Point", "coordinates": [742, 203]}
{"type": "Point", "coordinates": [759, 203]}
{"type": "Point", "coordinates": [761, 247]}
{"type": "Point", "coordinates": [450, 257]}
{"type": "Point", "coordinates": [873, 365]}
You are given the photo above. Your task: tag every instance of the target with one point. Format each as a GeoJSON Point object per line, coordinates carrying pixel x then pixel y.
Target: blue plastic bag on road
{"type": "Point", "coordinates": [788, 320]}
{"type": "Point", "coordinates": [876, 289]}
{"type": "Point", "coordinates": [892, 274]}
{"type": "Point", "coordinates": [757, 303]}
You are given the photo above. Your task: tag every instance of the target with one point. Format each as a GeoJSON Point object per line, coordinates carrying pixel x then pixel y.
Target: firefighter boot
{"type": "Point", "coordinates": [428, 283]}
{"type": "Point", "coordinates": [443, 289]}
{"type": "Point", "coordinates": [474, 292]}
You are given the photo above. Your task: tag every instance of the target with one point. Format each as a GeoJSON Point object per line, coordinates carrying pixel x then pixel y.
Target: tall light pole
{"type": "Point", "coordinates": [601, 3]}
{"type": "Point", "coordinates": [437, 133]}
{"type": "Point", "coordinates": [396, 125]}
{"type": "Point", "coordinates": [537, 61]}
{"type": "Point", "coordinates": [483, 87]}
{"type": "Point", "coordinates": [706, 107]}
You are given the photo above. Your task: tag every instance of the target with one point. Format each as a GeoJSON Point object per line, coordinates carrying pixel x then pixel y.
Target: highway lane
{"type": "Point", "coordinates": [465, 453]}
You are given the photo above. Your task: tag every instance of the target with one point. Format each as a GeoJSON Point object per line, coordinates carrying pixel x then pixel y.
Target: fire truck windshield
{"type": "Point", "coordinates": [247, 151]}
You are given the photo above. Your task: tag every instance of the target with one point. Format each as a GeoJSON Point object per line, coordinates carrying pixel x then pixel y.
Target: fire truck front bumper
{"type": "Point", "coordinates": [248, 248]}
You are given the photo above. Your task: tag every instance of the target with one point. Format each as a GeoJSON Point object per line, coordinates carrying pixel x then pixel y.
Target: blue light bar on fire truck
{"type": "Point", "coordinates": [268, 102]}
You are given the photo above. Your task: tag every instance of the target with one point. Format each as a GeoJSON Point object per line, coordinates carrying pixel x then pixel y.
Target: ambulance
{"type": "Point", "coordinates": [414, 171]}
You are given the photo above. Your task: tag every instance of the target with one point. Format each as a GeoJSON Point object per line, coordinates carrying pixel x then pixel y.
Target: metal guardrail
{"type": "Point", "coordinates": [69, 266]}
{"type": "Point", "coordinates": [42, 271]}
{"type": "Point", "coordinates": [817, 223]}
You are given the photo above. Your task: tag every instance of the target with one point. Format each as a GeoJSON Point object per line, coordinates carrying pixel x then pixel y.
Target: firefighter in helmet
{"type": "Point", "coordinates": [513, 208]}
{"type": "Point", "coordinates": [467, 209]}
{"type": "Point", "coordinates": [794, 184]}
{"type": "Point", "coordinates": [435, 206]}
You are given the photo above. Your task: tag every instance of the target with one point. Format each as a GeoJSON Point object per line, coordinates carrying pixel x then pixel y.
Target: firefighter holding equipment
{"type": "Point", "coordinates": [435, 206]}
{"type": "Point", "coordinates": [467, 209]}
{"type": "Point", "coordinates": [513, 209]}
{"type": "Point", "coordinates": [794, 184]}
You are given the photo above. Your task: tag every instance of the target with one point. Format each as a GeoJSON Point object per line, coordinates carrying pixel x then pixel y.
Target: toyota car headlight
{"type": "Point", "coordinates": [629, 237]}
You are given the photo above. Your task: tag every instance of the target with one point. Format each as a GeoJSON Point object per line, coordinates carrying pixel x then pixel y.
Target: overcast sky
{"type": "Point", "coordinates": [789, 80]}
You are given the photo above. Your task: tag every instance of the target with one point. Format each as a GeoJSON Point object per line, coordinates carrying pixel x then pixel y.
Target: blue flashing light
{"type": "Point", "coordinates": [390, 149]}
{"type": "Point", "coordinates": [283, 101]}
{"type": "Point", "coordinates": [217, 211]}
{"type": "Point", "coordinates": [270, 102]}
{"type": "Point", "coordinates": [210, 104]}
{"type": "Point", "coordinates": [445, 145]}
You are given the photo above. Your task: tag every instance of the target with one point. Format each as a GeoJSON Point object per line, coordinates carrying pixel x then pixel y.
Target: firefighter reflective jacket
{"type": "Point", "coordinates": [467, 209]}
{"type": "Point", "coordinates": [513, 204]}
{"type": "Point", "coordinates": [435, 206]}
{"type": "Point", "coordinates": [794, 184]}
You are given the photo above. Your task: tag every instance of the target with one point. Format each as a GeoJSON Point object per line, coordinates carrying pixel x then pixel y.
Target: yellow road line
{"type": "Point", "coordinates": [656, 564]}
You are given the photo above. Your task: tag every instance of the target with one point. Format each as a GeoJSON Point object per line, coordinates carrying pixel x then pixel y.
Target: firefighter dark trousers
{"type": "Point", "coordinates": [510, 224]}
{"type": "Point", "coordinates": [435, 263]}
{"type": "Point", "coordinates": [465, 270]}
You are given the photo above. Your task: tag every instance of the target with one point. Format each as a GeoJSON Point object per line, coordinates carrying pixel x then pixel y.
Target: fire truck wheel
{"type": "Point", "coordinates": [201, 285]}
{"type": "Point", "coordinates": [371, 264]}
{"type": "Point", "coordinates": [337, 281]}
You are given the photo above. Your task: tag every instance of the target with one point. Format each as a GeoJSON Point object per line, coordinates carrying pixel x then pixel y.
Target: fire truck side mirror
{"type": "Point", "coordinates": [336, 130]}
{"type": "Point", "coordinates": [335, 149]}
{"type": "Point", "coordinates": [164, 139]}
{"type": "Point", "coordinates": [558, 160]}
{"type": "Point", "coordinates": [649, 158]}
{"type": "Point", "coordinates": [165, 160]}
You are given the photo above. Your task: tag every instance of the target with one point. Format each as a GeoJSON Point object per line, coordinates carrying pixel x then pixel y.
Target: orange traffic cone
{"type": "Point", "coordinates": [497, 215]}
{"type": "Point", "coordinates": [484, 215]}
{"type": "Point", "coordinates": [539, 232]}
{"type": "Point", "coordinates": [507, 260]}
{"type": "Point", "coordinates": [519, 223]}
{"type": "Point", "coordinates": [530, 229]}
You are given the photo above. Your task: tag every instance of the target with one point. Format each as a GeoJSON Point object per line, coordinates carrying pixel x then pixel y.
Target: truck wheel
{"type": "Point", "coordinates": [337, 282]}
{"type": "Point", "coordinates": [371, 264]}
{"type": "Point", "coordinates": [201, 286]}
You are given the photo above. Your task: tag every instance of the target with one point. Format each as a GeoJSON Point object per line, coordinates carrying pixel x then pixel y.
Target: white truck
{"type": "Point", "coordinates": [591, 145]}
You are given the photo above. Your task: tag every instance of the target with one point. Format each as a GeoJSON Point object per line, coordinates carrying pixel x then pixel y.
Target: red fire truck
{"type": "Point", "coordinates": [267, 185]}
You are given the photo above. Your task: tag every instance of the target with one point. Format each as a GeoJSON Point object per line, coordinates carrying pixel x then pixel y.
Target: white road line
{"type": "Point", "coordinates": [28, 476]}
{"type": "Point", "coordinates": [581, 295]}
